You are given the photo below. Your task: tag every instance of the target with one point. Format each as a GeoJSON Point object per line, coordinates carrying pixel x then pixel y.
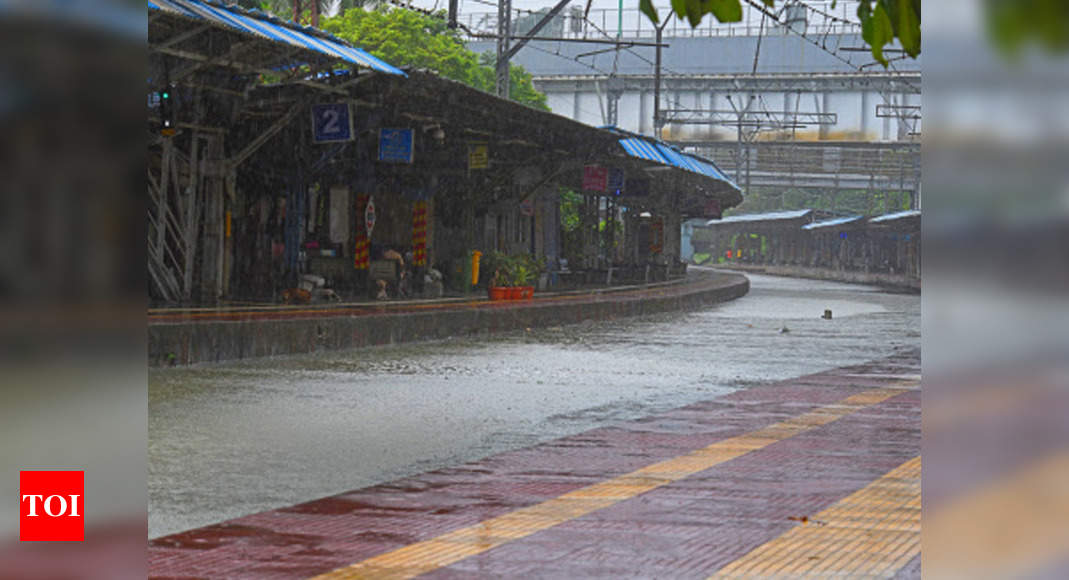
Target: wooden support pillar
{"type": "Point", "coordinates": [213, 249]}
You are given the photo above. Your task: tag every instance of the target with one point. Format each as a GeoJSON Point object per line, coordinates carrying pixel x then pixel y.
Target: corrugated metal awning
{"type": "Point", "coordinates": [265, 26]}
{"type": "Point", "coordinates": [690, 163]}
{"type": "Point", "coordinates": [643, 149]}
{"type": "Point", "coordinates": [666, 155]}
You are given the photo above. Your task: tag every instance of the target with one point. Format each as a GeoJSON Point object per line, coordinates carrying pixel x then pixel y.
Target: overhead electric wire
{"type": "Point", "coordinates": [761, 8]}
{"type": "Point", "coordinates": [635, 54]}
{"type": "Point", "coordinates": [588, 65]}
{"type": "Point", "coordinates": [828, 16]}
{"type": "Point", "coordinates": [516, 10]}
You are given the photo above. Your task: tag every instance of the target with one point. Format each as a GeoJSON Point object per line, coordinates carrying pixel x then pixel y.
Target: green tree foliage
{"type": "Point", "coordinates": [284, 8]}
{"type": "Point", "coordinates": [571, 205]}
{"type": "Point", "coordinates": [408, 38]}
{"type": "Point", "coordinates": [882, 21]}
{"type": "Point", "coordinates": [1012, 24]}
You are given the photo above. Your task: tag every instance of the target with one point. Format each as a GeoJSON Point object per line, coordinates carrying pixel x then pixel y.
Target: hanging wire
{"type": "Point", "coordinates": [829, 16]}
{"type": "Point", "coordinates": [760, 7]}
{"type": "Point", "coordinates": [516, 10]}
{"type": "Point", "coordinates": [630, 50]}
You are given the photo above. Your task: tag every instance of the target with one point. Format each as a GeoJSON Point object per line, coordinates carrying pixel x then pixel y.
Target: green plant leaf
{"type": "Point", "coordinates": [647, 8]}
{"type": "Point", "coordinates": [725, 10]}
{"type": "Point", "coordinates": [864, 10]}
{"type": "Point", "coordinates": [909, 28]}
{"type": "Point", "coordinates": [680, 8]}
{"type": "Point", "coordinates": [878, 33]}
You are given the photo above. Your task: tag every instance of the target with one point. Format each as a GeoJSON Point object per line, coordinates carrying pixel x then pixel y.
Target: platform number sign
{"type": "Point", "coordinates": [332, 122]}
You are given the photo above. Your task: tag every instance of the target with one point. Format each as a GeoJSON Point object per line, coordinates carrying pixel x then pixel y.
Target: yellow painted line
{"type": "Point", "coordinates": [449, 548]}
{"type": "Point", "coordinates": [873, 532]}
{"type": "Point", "coordinates": [1012, 528]}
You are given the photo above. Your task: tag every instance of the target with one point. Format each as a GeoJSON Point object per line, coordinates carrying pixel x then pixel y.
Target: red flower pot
{"type": "Point", "coordinates": [515, 293]}
{"type": "Point", "coordinates": [499, 293]}
{"type": "Point", "coordinates": [528, 291]}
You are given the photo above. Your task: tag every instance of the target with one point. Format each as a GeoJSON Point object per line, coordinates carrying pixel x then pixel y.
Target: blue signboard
{"type": "Point", "coordinates": [395, 145]}
{"type": "Point", "coordinates": [616, 181]}
{"type": "Point", "coordinates": [331, 122]}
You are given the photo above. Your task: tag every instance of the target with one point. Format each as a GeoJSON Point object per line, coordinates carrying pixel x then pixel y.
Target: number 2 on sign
{"type": "Point", "coordinates": [331, 117]}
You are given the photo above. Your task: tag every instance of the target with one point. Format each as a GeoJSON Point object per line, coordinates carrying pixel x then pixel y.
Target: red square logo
{"type": "Point", "coordinates": [51, 506]}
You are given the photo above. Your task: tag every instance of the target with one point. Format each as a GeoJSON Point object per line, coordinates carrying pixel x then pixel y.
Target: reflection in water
{"type": "Point", "coordinates": [233, 439]}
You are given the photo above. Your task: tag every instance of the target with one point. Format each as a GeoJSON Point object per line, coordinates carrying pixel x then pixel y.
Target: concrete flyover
{"type": "Point", "coordinates": [201, 335]}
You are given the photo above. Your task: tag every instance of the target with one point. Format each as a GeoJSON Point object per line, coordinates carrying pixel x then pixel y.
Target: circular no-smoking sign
{"type": "Point", "coordinates": [369, 216]}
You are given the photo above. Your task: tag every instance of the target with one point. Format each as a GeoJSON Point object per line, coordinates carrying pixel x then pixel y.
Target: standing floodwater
{"type": "Point", "coordinates": [233, 439]}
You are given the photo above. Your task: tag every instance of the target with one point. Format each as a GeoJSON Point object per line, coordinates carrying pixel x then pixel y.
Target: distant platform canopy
{"type": "Point", "coordinates": [892, 217]}
{"type": "Point", "coordinates": [763, 217]}
{"type": "Point", "coordinates": [853, 219]}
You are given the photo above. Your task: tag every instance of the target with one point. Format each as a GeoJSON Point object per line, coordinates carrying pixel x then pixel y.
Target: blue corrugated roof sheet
{"type": "Point", "coordinates": [263, 25]}
{"type": "Point", "coordinates": [643, 149]}
{"type": "Point", "coordinates": [660, 152]}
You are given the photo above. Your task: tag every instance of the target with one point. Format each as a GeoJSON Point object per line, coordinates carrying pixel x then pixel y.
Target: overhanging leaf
{"type": "Point", "coordinates": [881, 20]}
{"type": "Point", "coordinates": [726, 10]}
{"type": "Point", "coordinates": [909, 28]}
{"type": "Point", "coordinates": [680, 8]}
{"type": "Point", "coordinates": [694, 12]}
{"type": "Point", "coordinates": [646, 7]}
{"type": "Point", "coordinates": [881, 33]}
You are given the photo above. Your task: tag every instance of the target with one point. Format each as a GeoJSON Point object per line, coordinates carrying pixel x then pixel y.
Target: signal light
{"type": "Point", "coordinates": [167, 121]}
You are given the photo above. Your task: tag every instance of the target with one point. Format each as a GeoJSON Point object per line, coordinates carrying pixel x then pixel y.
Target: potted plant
{"type": "Point", "coordinates": [496, 287]}
{"type": "Point", "coordinates": [498, 283]}
{"type": "Point", "coordinates": [521, 276]}
{"type": "Point", "coordinates": [536, 267]}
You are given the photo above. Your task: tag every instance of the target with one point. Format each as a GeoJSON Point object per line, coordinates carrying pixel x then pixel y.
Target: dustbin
{"type": "Point", "coordinates": [476, 255]}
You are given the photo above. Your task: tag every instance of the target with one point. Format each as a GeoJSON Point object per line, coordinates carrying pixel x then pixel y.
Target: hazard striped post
{"type": "Point", "coordinates": [419, 233]}
{"type": "Point", "coordinates": [657, 236]}
{"type": "Point", "coordinates": [362, 245]}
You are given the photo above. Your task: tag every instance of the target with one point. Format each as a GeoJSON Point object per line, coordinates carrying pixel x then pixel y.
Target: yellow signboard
{"type": "Point", "coordinates": [478, 156]}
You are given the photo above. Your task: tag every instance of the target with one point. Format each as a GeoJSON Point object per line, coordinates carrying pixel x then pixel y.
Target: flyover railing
{"type": "Point", "coordinates": [810, 18]}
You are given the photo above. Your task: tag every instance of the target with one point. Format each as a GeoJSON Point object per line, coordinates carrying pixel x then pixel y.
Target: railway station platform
{"type": "Point", "coordinates": [819, 474]}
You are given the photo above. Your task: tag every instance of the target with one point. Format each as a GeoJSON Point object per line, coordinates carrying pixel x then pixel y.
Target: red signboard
{"type": "Point", "coordinates": [595, 178]}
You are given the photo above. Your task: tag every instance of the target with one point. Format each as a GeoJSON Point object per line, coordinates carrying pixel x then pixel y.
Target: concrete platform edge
{"type": "Point", "coordinates": [207, 341]}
